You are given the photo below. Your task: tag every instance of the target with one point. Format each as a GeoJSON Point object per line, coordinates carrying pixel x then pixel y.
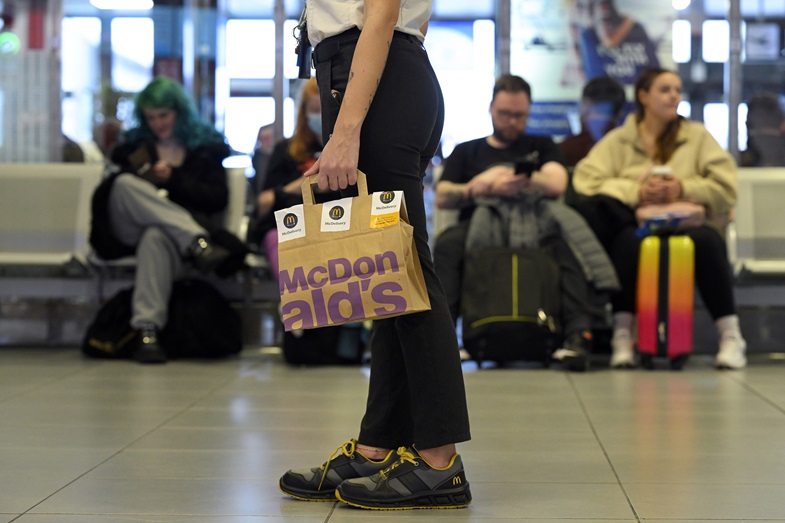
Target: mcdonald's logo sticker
{"type": "Point", "coordinates": [387, 196]}
{"type": "Point", "coordinates": [337, 212]}
{"type": "Point", "coordinates": [456, 480]}
{"type": "Point", "coordinates": [290, 220]}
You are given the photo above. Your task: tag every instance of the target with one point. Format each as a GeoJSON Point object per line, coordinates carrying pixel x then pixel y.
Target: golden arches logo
{"type": "Point", "coordinates": [456, 480]}
{"type": "Point", "coordinates": [290, 220]}
{"type": "Point", "coordinates": [387, 197]}
{"type": "Point", "coordinates": [337, 212]}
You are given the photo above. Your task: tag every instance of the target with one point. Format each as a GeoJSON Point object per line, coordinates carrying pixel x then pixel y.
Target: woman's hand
{"type": "Point", "coordinates": [337, 165]}
{"type": "Point", "coordinates": [660, 189]}
{"type": "Point", "coordinates": [671, 189]}
{"type": "Point", "coordinates": [161, 171]}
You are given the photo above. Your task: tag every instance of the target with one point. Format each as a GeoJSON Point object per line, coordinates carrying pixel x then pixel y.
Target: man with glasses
{"type": "Point", "coordinates": [510, 164]}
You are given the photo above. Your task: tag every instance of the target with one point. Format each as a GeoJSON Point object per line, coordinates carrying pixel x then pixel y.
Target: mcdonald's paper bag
{"type": "Point", "coordinates": [347, 260]}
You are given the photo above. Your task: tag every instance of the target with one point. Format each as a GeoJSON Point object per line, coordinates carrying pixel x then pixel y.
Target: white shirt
{"type": "Point", "coordinates": [328, 18]}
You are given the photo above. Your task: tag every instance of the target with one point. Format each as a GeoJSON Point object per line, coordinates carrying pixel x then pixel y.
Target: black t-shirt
{"type": "Point", "coordinates": [473, 157]}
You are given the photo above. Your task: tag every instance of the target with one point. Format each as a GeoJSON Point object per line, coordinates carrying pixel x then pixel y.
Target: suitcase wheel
{"type": "Point", "coordinates": [678, 362]}
{"type": "Point", "coordinates": [647, 361]}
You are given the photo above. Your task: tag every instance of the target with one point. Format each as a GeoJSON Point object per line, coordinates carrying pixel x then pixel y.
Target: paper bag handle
{"type": "Point", "coordinates": [310, 181]}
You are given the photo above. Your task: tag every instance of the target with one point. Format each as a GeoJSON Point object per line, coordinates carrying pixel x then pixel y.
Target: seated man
{"type": "Point", "coordinates": [486, 167]}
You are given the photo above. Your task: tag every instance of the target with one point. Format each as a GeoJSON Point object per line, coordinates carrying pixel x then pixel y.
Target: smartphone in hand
{"type": "Point", "coordinates": [141, 161]}
{"type": "Point", "coordinates": [525, 167]}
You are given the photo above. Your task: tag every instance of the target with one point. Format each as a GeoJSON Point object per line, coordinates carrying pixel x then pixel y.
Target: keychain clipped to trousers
{"type": "Point", "coordinates": [303, 48]}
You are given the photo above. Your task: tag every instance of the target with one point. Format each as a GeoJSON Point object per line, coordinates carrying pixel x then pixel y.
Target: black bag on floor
{"type": "Point", "coordinates": [202, 324]}
{"type": "Point", "coordinates": [110, 334]}
{"type": "Point", "coordinates": [335, 345]}
{"type": "Point", "coordinates": [510, 303]}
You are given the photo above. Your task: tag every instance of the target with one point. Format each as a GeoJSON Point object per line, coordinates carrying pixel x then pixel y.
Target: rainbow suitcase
{"type": "Point", "coordinates": [666, 288]}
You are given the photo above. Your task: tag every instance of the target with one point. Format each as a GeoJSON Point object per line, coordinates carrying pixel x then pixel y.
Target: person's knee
{"type": "Point", "coordinates": [126, 182]}
{"type": "Point", "coordinates": [707, 239]}
{"type": "Point", "coordinates": [155, 237]}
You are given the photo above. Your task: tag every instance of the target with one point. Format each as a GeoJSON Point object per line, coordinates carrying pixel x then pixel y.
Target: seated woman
{"type": "Point", "coordinates": [168, 193]}
{"type": "Point", "coordinates": [618, 174]}
{"type": "Point", "coordinates": [290, 159]}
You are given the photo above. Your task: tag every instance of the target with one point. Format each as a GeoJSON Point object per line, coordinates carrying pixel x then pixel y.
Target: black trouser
{"type": "Point", "coordinates": [416, 392]}
{"type": "Point", "coordinates": [614, 224]}
{"type": "Point", "coordinates": [449, 251]}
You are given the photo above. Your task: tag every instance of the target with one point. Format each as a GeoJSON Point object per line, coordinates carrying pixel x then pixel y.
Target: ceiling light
{"type": "Point", "coordinates": [123, 5]}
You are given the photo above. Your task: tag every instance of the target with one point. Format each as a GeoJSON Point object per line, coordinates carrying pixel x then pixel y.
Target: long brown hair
{"type": "Point", "coordinates": [304, 141]}
{"type": "Point", "coordinates": [666, 141]}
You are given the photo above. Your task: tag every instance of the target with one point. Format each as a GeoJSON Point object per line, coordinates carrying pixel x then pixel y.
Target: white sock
{"type": "Point", "coordinates": [623, 323]}
{"type": "Point", "coordinates": [728, 326]}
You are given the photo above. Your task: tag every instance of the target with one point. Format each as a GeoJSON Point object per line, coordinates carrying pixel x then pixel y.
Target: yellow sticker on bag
{"type": "Point", "coordinates": [386, 209]}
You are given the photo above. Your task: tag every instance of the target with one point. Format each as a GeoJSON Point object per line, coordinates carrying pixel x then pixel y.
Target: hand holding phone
{"type": "Point", "coordinates": [142, 163]}
{"type": "Point", "coordinates": [525, 167]}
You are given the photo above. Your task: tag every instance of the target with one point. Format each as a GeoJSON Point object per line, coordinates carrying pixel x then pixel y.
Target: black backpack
{"type": "Point", "coordinates": [510, 304]}
{"type": "Point", "coordinates": [333, 345]}
{"type": "Point", "coordinates": [110, 334]}
{"type": "Point", "coordinates": [202, 324]}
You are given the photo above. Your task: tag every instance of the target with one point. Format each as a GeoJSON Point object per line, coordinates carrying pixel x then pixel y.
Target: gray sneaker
{"type": "Point", "coordinates": [409, 483]}
{"type": "Point", "coordinates": [319, 483]}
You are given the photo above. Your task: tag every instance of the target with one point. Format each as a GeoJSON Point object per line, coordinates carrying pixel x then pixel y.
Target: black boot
{"type": "Point", "coordinates": [147, 348]}
{"type": "Point", "coordinates": [205, 255]}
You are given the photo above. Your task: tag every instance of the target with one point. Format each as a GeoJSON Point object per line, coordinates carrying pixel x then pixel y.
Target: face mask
{"type": "Point", "coordinates": [315, 123]}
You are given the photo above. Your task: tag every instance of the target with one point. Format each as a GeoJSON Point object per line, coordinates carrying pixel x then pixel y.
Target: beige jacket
{"type": "Point", "coordinates": [616, 163]}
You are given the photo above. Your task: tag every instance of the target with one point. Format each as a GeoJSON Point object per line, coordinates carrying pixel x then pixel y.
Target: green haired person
{"type": "Point", "coordinates": [163, 204]}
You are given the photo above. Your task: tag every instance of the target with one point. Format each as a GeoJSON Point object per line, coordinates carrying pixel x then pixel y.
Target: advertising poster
{"type": "Point", "coordinates": [558, 45]}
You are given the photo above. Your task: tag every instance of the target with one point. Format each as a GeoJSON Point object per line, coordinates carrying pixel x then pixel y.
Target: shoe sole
{"type": "Point", "coordinates": [575, 363]}
{"type": "Point", "coordinates": [459, 498]}
{"type": "Point", "coordinates": [725, 366]}
{"type": "Point", "coordinates": [304, 495]}
{"type": "Point", "coordinates": [149, 357]}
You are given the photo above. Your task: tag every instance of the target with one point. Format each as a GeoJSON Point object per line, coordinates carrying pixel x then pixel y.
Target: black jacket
{"type": "Point", "coordinates": [199, 185]}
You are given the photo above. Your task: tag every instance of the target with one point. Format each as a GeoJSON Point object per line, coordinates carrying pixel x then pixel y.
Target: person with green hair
{"type": "Point", "coordinates": [161, 204]}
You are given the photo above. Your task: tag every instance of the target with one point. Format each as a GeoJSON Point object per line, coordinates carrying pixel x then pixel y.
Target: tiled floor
{"type": "Point", "coordinates": [93, 441]}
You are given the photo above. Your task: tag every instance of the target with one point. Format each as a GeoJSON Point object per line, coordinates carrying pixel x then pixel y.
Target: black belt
{"type": "Point", "coordinates": [329, 47]}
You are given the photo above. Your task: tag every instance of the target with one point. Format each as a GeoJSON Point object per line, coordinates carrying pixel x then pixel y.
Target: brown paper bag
{"type": "Point", "coordinates": [347, 260]}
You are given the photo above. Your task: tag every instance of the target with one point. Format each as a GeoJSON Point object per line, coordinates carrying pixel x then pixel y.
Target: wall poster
{"type": "Point", "coordinates": [558, 45]}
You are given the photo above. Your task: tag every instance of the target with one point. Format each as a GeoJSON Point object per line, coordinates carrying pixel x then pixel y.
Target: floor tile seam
{"type": "Point", "coordinates": [753, 390]}
{"type": "Point", "coordinates": [541, 482]}
{"type": "Point", "coordinates": [42, 385]}
{"type": "Point", "coordinates": [121, 450]}
{"type": "Point", "coordinates": [147, 515]}
{"type": "Point", "coordinates": [200, 479]}
{"type": "Point", "coordinates": [710, 484]}
{"type": "Point", "coordinates": [588, 419]}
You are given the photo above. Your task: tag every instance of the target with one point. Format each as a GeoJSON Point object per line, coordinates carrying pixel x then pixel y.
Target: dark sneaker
{"type": "Point", "coordinates": [574, 354]}
{"type": "Point", "coordinates": [206, 256]}
{"type": "Point", "coordinates": [409, 483]}
{"type": "Point", "coordinates": [318, 484]}
{"type": "Point", "coordinates": [147, 348]}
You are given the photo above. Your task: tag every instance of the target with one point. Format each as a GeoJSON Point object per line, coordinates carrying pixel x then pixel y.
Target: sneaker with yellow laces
{"type": "Point", "coordinates": [409, 483]}
{"type": "Point", "coordinates": [319, 483]}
